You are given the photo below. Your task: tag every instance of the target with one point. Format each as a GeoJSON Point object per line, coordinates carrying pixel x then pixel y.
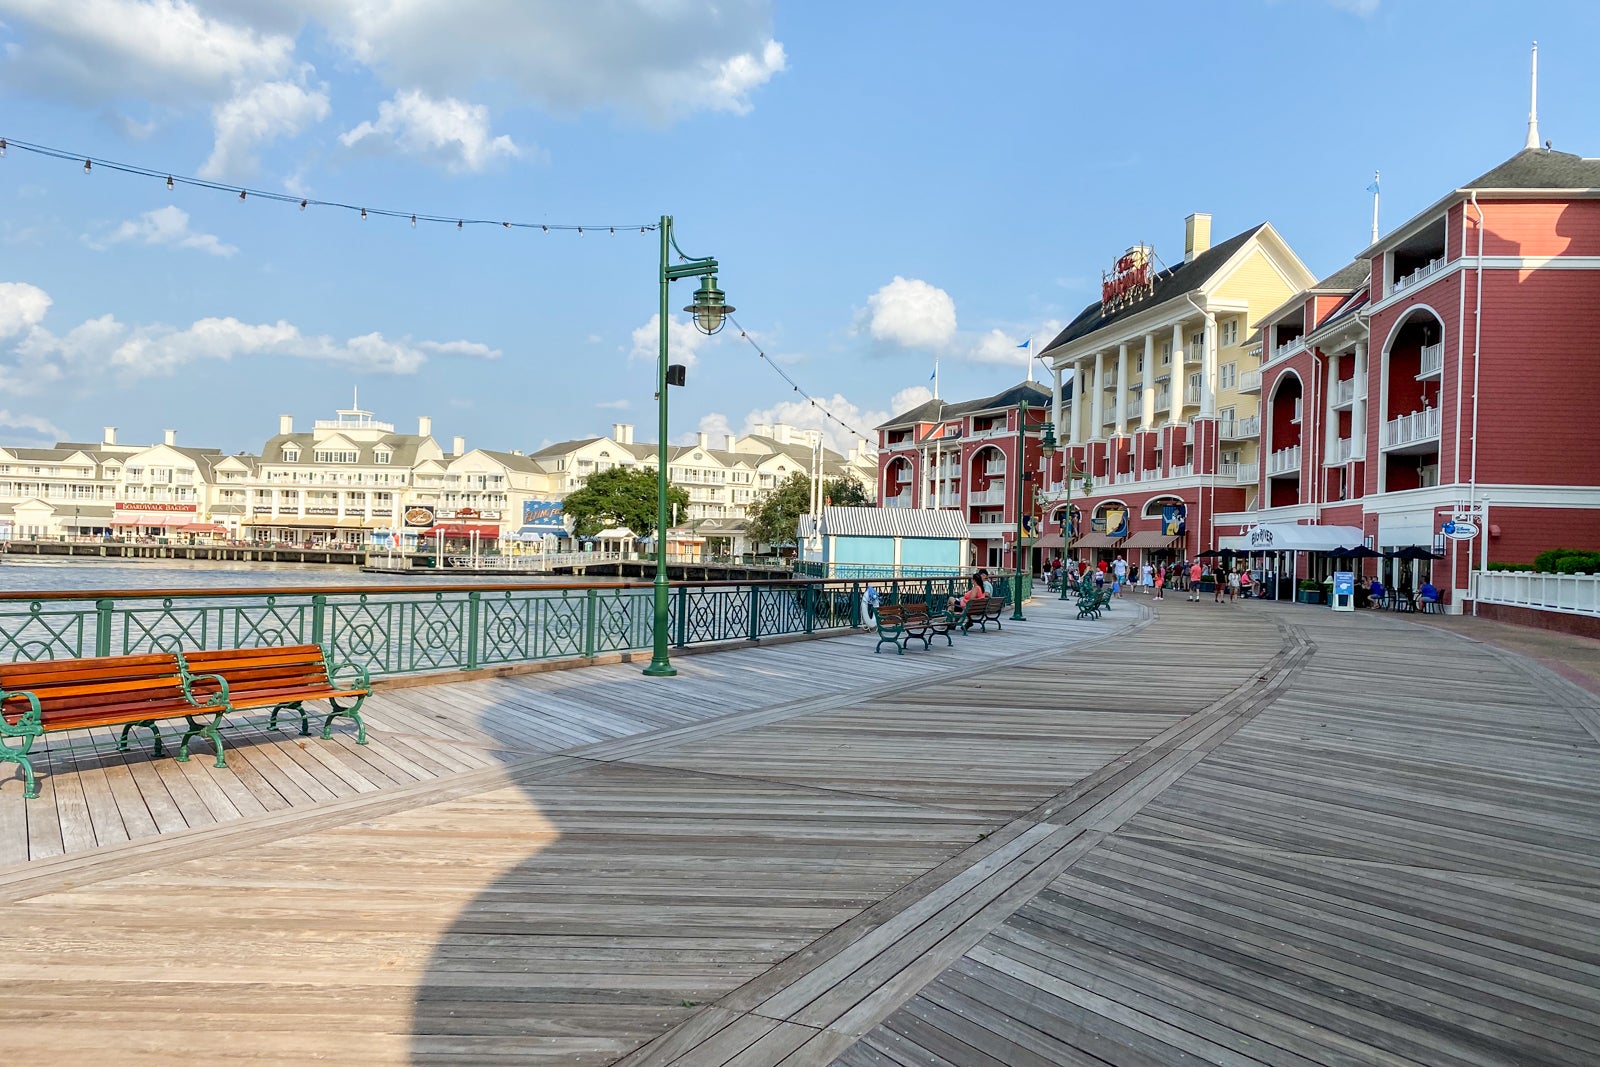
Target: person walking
{"type": "Point", "coordinates": [1233, 584]}
{"type": "Point", "coordinates": [1219, 583]}
{"type": "Point", "coordinates": [1119, 570]}
{"type": "Point", "coordinates": [1147, 577]}
{"type": "Point", "coordinates": [1160, 582]}
{"type": "Point", "coordinates": [1196, 572]}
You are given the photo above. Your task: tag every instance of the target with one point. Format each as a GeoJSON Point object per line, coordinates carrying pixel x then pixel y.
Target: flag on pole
{"type": "Point", "coordinates": [934, 375]}
{"type": "Point", "coordinates": [1373, 188]}
{"type": "Point", "coordinates": [1026, 344]}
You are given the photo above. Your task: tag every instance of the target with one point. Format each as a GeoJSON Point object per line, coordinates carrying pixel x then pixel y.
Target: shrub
{"type": "Point", "coordinates": [1567, 561]}
{"type": "Point", "coordinates": [1310, 585]}
{"type": "Point", "coordinates": [1511, 566]}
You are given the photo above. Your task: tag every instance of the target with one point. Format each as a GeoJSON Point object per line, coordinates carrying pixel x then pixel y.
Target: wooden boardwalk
{"type": "Point", "coordinates": [1227, 835]}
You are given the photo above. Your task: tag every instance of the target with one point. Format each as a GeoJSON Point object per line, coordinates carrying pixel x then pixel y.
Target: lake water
{"type": "Point", "coordinates": [63, 575]}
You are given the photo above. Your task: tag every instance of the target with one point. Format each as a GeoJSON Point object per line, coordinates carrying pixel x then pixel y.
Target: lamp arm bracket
{"type": "Point", "coordinates": [693, 268]}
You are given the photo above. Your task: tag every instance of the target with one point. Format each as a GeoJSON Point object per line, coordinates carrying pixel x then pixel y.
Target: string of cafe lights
{"type": "Point", "coordinates": [794, 385]}
{"type": "Point", "coordinates": [244, 192]}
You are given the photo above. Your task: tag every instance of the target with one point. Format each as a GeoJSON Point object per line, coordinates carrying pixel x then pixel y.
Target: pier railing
{"type": "Point", "coordinates": [399, 630]}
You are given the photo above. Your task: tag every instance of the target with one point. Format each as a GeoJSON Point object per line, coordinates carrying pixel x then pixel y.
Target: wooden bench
{"type": "Point", "coordinates": [283, 679]}
{"type": "Point", "coordinates": [201, 688]}
{"type": "Point", "coordinates": [127, 691]}
{"type": "Point", "coordinates": [981, 610]}
{"type": "Point", "coordinates": [900, 624]}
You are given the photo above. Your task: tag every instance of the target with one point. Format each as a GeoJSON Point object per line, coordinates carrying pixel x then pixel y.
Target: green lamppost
{"type": "Point", "coordinates": [1069, 471]}
{"type": "Point", "coordinates": [709, 309]}
{"type": "Point", "coordinates": [1021, 477]}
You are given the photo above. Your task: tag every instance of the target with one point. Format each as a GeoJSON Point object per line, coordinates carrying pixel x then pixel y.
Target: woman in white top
{"type": "Point", "coordinates": [1147, 577]}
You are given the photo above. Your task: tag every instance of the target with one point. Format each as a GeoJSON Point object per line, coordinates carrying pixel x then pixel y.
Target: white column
{"type": "Point", "coordinates": [1055, 406]}
{"type": "Point", "coordinates": [1330, 434]}
{"type": "Point", "coordinates": [1148, 401]}
{"type": "Point", "coordinates": [1177, 378]}
{"type": "Point", "coordinates": [1122, 390]}
{"type": "Point", "coordinates": [1208, 371]}
{"type": "Point", "coordinates": [1358, 411]}
{"type": "Point", "coordinates": [1077, 403]}
{"type": "Point", "coordinates": [1097, 405]}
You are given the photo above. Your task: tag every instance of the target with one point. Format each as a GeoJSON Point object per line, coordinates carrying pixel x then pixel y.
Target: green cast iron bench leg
{"type": "Point", "coordinates": [156, 750]}
{"type": "Point", "coordinates": [28, 727]}
{"type": "Point", "coordinates": [353, 712]}
{"type": "Point", "coordinates": [296, 706]}
{"type": "Point", "coordinates": [207, 729]}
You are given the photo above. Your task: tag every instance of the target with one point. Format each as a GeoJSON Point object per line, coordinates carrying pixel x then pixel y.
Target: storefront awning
{"type": "Point", "coordinates": [1293, 537]}
{"type": "Point", "coordinates": [1050, 541]}
{"type": "Point", "coordinates": [463, 530]}
{"type": "Point", "coordinates": [203, 528]}
{"type": "Point", "coordinates": [152, 521]}
{"type": "Point", "coordinates": [1096, 540]}
{"type": "Point", "coordinates": [1150, 539]}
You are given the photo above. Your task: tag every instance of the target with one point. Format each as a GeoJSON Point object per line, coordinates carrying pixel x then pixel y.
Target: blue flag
{"type": "Point", "coordinates": [1373, 188]}
{"type": "Point", "coordinates": [1026, 343]}
{"type": "Point", "coordinates": [934, 375]}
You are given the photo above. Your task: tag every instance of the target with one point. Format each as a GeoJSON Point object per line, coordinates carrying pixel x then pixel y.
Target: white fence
{"type": "Point", "coordinates": [1575, 594]}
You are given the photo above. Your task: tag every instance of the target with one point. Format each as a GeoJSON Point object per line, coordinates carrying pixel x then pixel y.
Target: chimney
{"type": "Point", "coordinates": [286, 424]}
{"type": "Point", "coordinates": [730, 442]}
{"type": "Point", "coordinates": [458, 445]}
{"type": "Point", "coordinates": [170, 436]}
{"type": "Point", "coordinates": [1196, 235]}
{"type": "Point", "coordinates": [516, 451]}
{"type": "Point", "coordinates": [702, 437]}
{"type": "Point", "coordinates": [425, 426]}
{"type": "Point", "coordinates": [109, 435]}
{"type": "Point", "coordinates": [628, 426]}
{"type": "Point", "coordinates": [619, 432]}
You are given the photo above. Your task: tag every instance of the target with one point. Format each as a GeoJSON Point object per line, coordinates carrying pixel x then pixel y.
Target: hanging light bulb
{"type": "Point", "coordinates": [2, 147]}
{"type": "Point", "coordinates": [363, 212]}
{"type": "Point", "coordinates": [169, 183]}
{"type": "Point", "coordinates": [302, 205]}
{"type": "Point", "coordinates": [613, 230]}
{"type": "Point", "coordinates": [507, 225]}
{"type": "Point", "coordinates": [413, 222]}
{"type": "Point", "coordinates": [546, 229]}
{"type": "Point", "coordinates": [241, 194]}
{"type": "Point", "coordinates": [86, 166]}
{"type": "Point", "coordinates": [458, 224]}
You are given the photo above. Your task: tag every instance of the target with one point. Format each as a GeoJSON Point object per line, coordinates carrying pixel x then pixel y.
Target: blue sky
{"type": "Point", "coordinates": [882, 183]}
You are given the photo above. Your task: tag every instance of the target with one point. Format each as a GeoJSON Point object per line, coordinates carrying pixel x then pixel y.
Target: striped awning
{"type": "Point", "coordinates": [1150, 539]}
{"type": "Point", "coordinates": [939, 523]}
{"type": "Point", "coordinates": [1096, 540]}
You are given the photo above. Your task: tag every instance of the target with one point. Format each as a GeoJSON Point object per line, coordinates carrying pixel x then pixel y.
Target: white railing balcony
{"type": "Point", "coordinates": [1418, 426]}
{"type": "Point", "coordinates": [1573, 594]}
{"type": "Point", "coordinates": [1108, 380]}
{"type": "Point", "coordinates": [1124, 478]}
{"type": "Point", "coordinates": [1340, 453]}
{"type": "Point", "coordinates": [992, 497]}
{"type": "Point", "coordinates": [1239, 473]}
{"type": "Point", "coordinates": [1237, 429]}
{"type": "Point", "coordinates": [1163, 400]}
{"type": "Point", "coordinates": [1194, 355]}
{"type": "Point", "coordinates": [900, 500]}
{"type": "Point", "coordinates": [1432, 361]}
{"type": "Point", "coordinates": [1284, 461]}
{"type": "Point", "coordinates": [1288, 346]}
{"type": "Point", "coordinates": [1250, 381]}
{"type": "Point", "coordinates": [1344, 393]}
{"type": "Point", "coordinates": [1191, 394]}
{"type": "Point", "coordinates": [1182, 472]}
{"type": "Point", "coordinates": [1433, 266]}
{"type": "Point", "coordinates": [1110, 415]}
{"type": "Point", "coordinates": [994, 467]}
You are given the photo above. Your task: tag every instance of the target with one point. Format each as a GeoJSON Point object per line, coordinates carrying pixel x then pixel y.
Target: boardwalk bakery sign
{"type": "Point", "coordinates": [1129, 281]}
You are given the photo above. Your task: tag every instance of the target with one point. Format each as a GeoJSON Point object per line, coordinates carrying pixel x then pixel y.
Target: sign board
{"type": "Point", "coordinates": [544, 515]}
{"type": "Point", "coordinates": [1172, 519]}
{"type": "Point", "coordinates": [1460, 530]}
{"type": "Point", "coordinates": [1260, 537]}
{"type": "Point", "coordinates": [142, 513]}
{"type": "Point", "coordinates": [1128, 281]}
{"type": "Point", "coordinates": [418, 517]}
{"type": "Point", "coordinates": [1344, 591]}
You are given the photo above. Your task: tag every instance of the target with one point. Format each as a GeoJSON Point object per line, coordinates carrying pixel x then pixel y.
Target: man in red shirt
{"type": "Point", "coordinates": [1195, 572]}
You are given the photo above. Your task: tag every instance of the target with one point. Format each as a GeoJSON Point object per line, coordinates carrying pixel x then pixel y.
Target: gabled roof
{"type": "Point", "coordinates": [1540, 168]}
{"type": "Point", "coordinates": [512, 461]}
{"type": "Point", "coordinates": [561, 448]}
{"type": "Point", "coordinates": [403, 448]}
{"type": "Point", "coordinates": [941, 410]}
{"type": "Point", "coordinates": [1345, 278]}
{"type": "Point", "coordinates": [1168, 285]}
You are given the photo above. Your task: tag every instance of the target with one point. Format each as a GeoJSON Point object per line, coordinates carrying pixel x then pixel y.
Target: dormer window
{"type": "Point", "coordinates": [383, 455]}
{"type": "Point", "coordinates": [291, 454]}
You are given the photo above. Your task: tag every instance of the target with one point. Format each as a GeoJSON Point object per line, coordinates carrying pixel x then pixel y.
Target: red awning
{"type": "Point", "coordinates": [463, 530]}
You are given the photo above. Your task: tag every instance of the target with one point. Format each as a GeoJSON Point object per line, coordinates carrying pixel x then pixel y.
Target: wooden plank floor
{"type": "Point", "coordinates": [93, 796]}
{"type": "Point", "coordinates": [1228, 835]}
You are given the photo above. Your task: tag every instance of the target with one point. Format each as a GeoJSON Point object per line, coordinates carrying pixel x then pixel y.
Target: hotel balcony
{"type": "Point", "coordinates": [1163, 400]}
{"type": "Point", "coordinates": [1340, 454]}
{"type": "Point", "coordinates": [1191, 395]}
{"type": "Point", "coordinates": [1240, 429]}
{"type": "Point", "coordinates": [1108, 380]}
{"type": "Point", "coordinates": [1415, 432]}
{"type": "Point", "coordinates": [1428, 269]}
{"type": "Point", "coordinates": [1284, 461]}
{"type": "Point", "coordinates": [1250, 381]}
{"type": "Point", "coordinates": [1432, 361]}
{"type": "Point", "coordinates": [1344, 394]}
{"type": "Point", "coordinates": [1239, 473]}
{"type": "Point", "coordinates": [995, 467]}
{"type": "Point", "coordinates": [994, 496]}
{"type": "Point", "coordinates": [903, 500]}
{"type": "Point", "coordinates": [1184, 471]}
{"type": "Point", "coordinates": [1125, 478]}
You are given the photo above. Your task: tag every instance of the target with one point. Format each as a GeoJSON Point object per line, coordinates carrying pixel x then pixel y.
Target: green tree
{"type": "Point", "coordinates": [621, 496]}
{"type": "Point", "coordinates": [775, 519]}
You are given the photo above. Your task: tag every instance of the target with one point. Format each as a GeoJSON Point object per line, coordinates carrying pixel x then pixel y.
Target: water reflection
{"type": "Point", "coordinates": [64, 575]}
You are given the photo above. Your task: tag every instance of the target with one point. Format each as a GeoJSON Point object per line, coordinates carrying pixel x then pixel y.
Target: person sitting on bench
{"type": "Point", "coordinates": [974, 591]}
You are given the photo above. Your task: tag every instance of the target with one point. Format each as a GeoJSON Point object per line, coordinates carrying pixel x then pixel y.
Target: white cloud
{"type": "Point", "coordinates": [21, 306]}
{"type": "Point", "coordinates": [622, 404]}
{"type": "Point", "coordinates": [166, 226]}
{"type": "Point", "coordinates": [906, 399]}
{"type": "Point", "coordinates": [42, 357]}
{"type": "Point", "coordinates": [912, 314]}
{"type": "Point", "coordinates": [33, 423]}
{"type": "Point", "coordinates": [449, 130]}
{"type": "Point", "coordinates": [684, 342]}
{"type": "Point", "coordinates": [258, 115]}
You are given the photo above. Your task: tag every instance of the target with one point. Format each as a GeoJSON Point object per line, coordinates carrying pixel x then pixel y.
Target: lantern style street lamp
{"type": "Point", "coordinates": [708, 312]}
{"type": "Point", "coordinates": [1069, 471]}
{"type": "Point", "coordinates": [1022, 480]}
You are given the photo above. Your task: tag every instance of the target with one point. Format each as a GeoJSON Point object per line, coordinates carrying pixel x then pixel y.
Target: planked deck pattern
{"type": "Point", "coordinates": [1230, 835]}
{"type": "Point", "coordinates": [93, 796]}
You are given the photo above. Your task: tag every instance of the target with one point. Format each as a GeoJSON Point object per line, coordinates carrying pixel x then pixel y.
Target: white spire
{"type": "Point", "coordinates": [1533, 103]}
{"type": "Point", "coordinates": [1029, 347]}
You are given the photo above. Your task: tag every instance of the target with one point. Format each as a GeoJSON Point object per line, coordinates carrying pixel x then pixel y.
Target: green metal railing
{"type": "Point", "coordinates": [397, 630]}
